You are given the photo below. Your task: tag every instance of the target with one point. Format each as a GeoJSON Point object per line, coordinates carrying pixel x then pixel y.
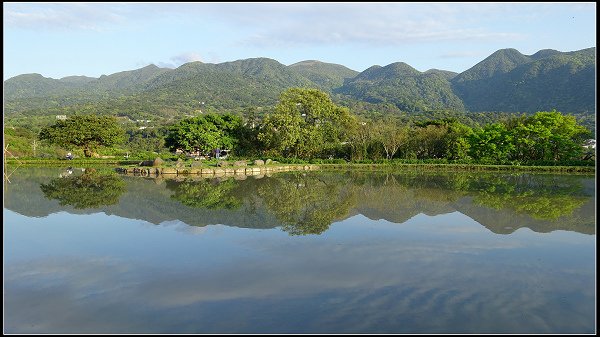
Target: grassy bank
{"type": "Point", "coordinates": [74, 162]}
{"type": "Point", "coordinates": [463, 167]}
{"type": "Point", "coordinates": [371, 166]}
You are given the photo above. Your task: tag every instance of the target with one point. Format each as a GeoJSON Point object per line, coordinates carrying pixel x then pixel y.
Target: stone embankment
{"type": "Point", "coordinates": [212, 171]}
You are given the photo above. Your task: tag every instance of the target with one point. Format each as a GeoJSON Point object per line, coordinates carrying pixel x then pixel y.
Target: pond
{"type": "Point", "coordinates": [90, 251]}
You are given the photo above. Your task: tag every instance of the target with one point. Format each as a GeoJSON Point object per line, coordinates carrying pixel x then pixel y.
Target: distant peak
{"type": "Point", "coordinates": [30, 75]}
{"type": "Point", "coordinates": [544, 53]}
{"type": "Point", "coordinates": [400, 69]}
{"type": "Point", "coordinates": [508, 51]}
{"type": "Point", "coordinates": [400, 65]}
{"type": "Point", "coordinates": [435, 70]}
{"type": "Point", "coordinates": [445, 73]}
{"type": "Point", "coordinates": [306, 63]}
{"type": "Point", "coordinates": [190, 64]}
{"type": "Point", "coordinates": [377, 66]}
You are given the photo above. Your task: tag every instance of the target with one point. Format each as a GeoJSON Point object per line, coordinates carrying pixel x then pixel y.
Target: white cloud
{"type": "Point", "coordinates": [377, 24]}
{"type": "Point", "coordinates": [63, 16]}
{"type": "Point", "coordinates": [177, 60]}
{"type": "Point", "coordinates": [186, 57]}
{"type": "Point", "coordinates": [287, 23]}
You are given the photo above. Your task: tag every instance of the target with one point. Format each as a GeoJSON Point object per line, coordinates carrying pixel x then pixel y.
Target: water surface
{"type": "Point", "coordinates": [316, 252]}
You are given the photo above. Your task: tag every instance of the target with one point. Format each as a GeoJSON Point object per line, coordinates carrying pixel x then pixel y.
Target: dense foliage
{"type": "Point", "coordinates": [306, 124]}
{"type": "Point", "coordinates": [84, 131]}
{"type": "Point", "coordinates": [205, 133]}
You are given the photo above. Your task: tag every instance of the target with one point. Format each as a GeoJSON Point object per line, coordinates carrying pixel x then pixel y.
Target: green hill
{"type": "Point", "coordinates": [445, 73]}
{"type": "Point", "coordinates": [407, 88]}
{"type": "Point", "coordinates": [500, 62]}
{"type": "Point", "coordinates": [511, 82]}
{"type": "Point", "coordinates": [152, 90]}
{"type": "Point", "coordinates": [506, 81]}
{"type": "Point", "coordinates": [127, 81]}
{"type": "Point", "coordinates": [36, 85]}
{"type": "Point", "coordinates": [230, 85]}
{"type": "Point", "coordinates": [326, 75]}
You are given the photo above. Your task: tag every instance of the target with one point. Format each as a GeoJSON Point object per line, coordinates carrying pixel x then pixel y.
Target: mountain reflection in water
{"type": "Point", "coordinates": [315, 252]}
{"type": "Point", "coordinates": [308, 203]}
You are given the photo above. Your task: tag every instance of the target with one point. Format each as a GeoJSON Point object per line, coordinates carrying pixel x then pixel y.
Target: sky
{"type": "Point", "coordinates": [92, 39]}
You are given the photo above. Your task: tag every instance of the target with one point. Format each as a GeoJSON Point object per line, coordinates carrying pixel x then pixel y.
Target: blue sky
{"type": "Point", "coordinates": [91, 39]}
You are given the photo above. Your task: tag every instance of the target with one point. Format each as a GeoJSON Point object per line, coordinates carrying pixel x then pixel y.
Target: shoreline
{"type": "Point", "coordinates": [133, 165]}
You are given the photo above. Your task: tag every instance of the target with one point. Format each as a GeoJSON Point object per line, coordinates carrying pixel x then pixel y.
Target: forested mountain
{"type": "Point", "coordinates": [407, 88]}
{"type": "Point", "coordinates": [230, 85]}
{"type": "Point", "coordinates": [36, 85]}
{"type": "Point", "coordinates": [128, 81]}
{"type": "Point", "coordinates": [326, 75]}
{"type": "Point", "coordinates": [445, 73]}
{"type": "Point", "coordinates": [506, 81]}
{"type": "Point", "coordinates": [512, 82]}
{"type": "Point", "coordinates": [159, 91]}
{"type": "Point", "coordinates": [500, 62]}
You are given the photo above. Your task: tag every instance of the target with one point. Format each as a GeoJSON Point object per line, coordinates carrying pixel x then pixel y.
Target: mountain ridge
{"type": "Point", "coordinates": [506, 81]}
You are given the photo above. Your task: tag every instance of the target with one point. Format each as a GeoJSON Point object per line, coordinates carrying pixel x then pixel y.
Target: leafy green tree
{"type": "Point", "coordinates": [361, 136]}
{"type": "Point", "coordinates": [450, 138]}
{"type": "Point", "coordinates": [205, 132]}
{"type": "Point", "coordinates": [493, 143]}
{"type": "Point", "coordinates": [84, 131]}
{"type": "Point", "coordinates": [305, 123]}
{"type": "Point", "coordinates": [429, 141]}
{"type": "Point", "coordinates": [391, 135]}
{"type": "Point", "coordinates": [549, 135]}
{"type": "Point", "coordinates": [457, 140]}
{"type": "Point", "coordinates": [147, 140]}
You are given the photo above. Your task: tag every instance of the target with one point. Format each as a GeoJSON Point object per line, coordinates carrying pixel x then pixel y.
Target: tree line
{"type": "Point", "coordinates": [307, 124]}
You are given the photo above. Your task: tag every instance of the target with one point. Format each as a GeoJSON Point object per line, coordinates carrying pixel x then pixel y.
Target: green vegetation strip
{"type": "Point", "coordinates": [74, 162]}
{"type": "Point", "coordinates": [464, 167]}
{"type": "Point", "coordinates": [389, 166]}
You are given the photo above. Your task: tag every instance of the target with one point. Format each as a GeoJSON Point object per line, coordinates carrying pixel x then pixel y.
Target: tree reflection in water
{"type": "Point", "coordinates": [308, 204]}
{"type": "Point", "coordinates": [303, 203]}
{"type": "Point", "coordinates": [89, 190]}
{"type": "Point", "coordinates": [206, 193]}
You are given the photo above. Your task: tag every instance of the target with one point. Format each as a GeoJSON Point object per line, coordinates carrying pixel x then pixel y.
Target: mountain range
{"type": "Point", "coordinates": [506, 81]}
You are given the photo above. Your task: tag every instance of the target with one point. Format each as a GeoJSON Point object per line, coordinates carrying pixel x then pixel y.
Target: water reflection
{"type": "Point", "coordinates": [308, 203]}
{"type": "Point", "coordinates": [206, 193]}
{"type": "Point", "coordinates": [442, 274]}
{"type": "Point", "coordinates": [433, 267]}
{"type": "Point", "coordinates": [89, 190]}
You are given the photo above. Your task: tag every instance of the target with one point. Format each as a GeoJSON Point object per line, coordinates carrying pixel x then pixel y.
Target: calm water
{"type": "Point", "coordinates": [343, 252]}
